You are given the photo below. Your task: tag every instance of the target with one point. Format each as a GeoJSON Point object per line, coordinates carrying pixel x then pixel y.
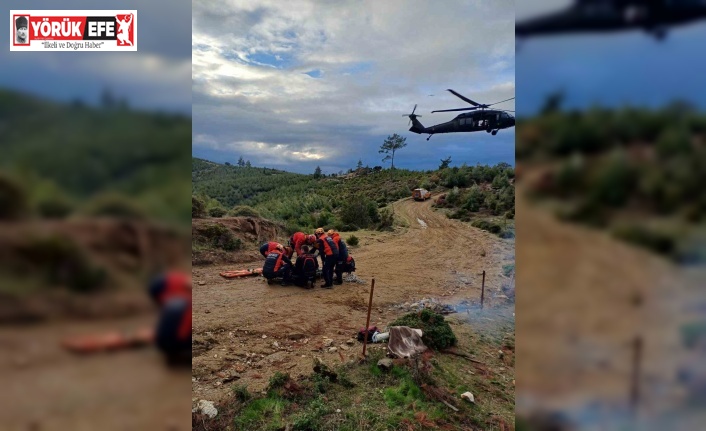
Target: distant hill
{"type": "Point", "coordinates": [637, 173]}
{"type": "Point", "coordinates": [347, 202]}
{"type": "Point", "coordinates": [84, 152]}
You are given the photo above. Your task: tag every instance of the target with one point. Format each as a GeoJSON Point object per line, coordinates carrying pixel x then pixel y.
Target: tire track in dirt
{"type": "Point", "coordinates": [444, 260]}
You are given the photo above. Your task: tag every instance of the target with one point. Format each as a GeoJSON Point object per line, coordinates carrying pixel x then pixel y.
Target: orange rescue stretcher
{"type": "Point", "coordinates": [241, 273]}
{"type": "Point", "coordinates": [108, 342]}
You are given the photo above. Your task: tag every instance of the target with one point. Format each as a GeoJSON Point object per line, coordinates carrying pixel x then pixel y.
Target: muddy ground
{"type": "Point", "coordinates": [48, 388]}
{"type": "Point", "coordinates": [246, 330]}
{"type": "Point", "coordinates": [45, 387]}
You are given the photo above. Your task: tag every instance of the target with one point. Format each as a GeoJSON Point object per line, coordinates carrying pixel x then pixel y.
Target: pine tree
{"type": "Point", "coordinates": [392, 144]}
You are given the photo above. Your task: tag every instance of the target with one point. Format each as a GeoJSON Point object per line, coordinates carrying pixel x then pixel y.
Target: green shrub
{"type": "Point", "coordinates": [198, 207]}
{"type": "Point", "coordinates": [220, 236]}
{"type": "Point", "coordinates": [241, 393]}
{"type": "Point", "coordinates": [487, 226]}
{"type": "Point", "coordinates": [659, 242]}
{"type": "Point", "coordinates": [14, 203]}
{"type": "Point", "coordinates": [63, 262]}
{"type": "Point", "coordinates": [54, 207]}
{"type": "Point", "coordinates": [386, 219]}
{"type": "Point", "coordinates": [244, 211]}
{"type": "Point", "coordinates": [278, 380]}
{"type": "Point", "coordinates": [115, 206]}
{"type": "Point", "coordinates": [217, 212]}
{"type": "Point", "coordinates": [359, 211]}
{"type": "Point", "coordinates": [352, 240]}
{"type": "Point", "coordinates": [437, 332]}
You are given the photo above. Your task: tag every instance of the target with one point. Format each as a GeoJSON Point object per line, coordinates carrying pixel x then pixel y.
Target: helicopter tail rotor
{"type": "Point", "coordinates": [417, 127]}
{"type": "Point", "coordinates": [412, 116]}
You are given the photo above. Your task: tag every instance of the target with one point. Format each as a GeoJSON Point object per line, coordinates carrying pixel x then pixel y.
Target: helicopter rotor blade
{"type": "Point", "coordinates": [450, 110]}
{"type": "Point", "coordinates": [465, 99]}
{"type": "Point", "coordinates": [501, 101]}
{"type": "Point", "coordinates": [412, 115]}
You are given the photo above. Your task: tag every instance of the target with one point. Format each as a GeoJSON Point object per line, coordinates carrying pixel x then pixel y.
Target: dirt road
{"type": "Point", "coordinates": [48, 388]}
{"type": "Point", "coordinates": [245, 329]}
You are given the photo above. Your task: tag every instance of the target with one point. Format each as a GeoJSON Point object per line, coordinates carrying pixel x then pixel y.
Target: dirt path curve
{"type": "Point", "coordinates": [434, 257]}
{"type": "Point", "coordinates": [47, 388]}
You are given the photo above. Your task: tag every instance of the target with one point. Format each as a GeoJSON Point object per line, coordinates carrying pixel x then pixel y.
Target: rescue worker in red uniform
{"type": "Point", "coordinates": [172, 293]}
{"type": "Point", "coordinates": [268, 248]}
{"type": "Point", "coordinates": [329, 255]}
{"type": "Point", "coordinates": [277, 264]}
{"type": "Point", "coordinates": [342, 255]}
{"type": "Point", "coordinates": [299, 239]}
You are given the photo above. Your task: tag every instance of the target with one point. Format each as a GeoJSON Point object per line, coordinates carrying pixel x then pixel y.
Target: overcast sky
{"type": "Point", "coordinates": [303, 83]}
{"type": "Point", "coordinates": [612, 69]}
{"type": "Point", "coordinates": [156, 77]}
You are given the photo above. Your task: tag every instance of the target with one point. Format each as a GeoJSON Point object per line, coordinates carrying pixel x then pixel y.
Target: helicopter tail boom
{"type": "Point", "coordinates": [417, 126]}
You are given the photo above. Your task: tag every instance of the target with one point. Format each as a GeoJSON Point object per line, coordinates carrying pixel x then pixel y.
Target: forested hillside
{"type": "Point", "coordinates": [635, 172]}
{"type": "Point", "coordinates": [67, 158]}
{"type": "Point", "coordinates": [348, 202]}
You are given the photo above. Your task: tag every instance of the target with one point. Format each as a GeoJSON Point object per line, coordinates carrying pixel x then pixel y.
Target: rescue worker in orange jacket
{"type": "Point", "coordinates": [172, 293]}
{"type": "Point", "coordinates": [342, 255]}
{"type": "Point", "coordinates": [297, 240]}
{"type": "Point", "coordinates": [277, 264]}
{"type": "Point", "coordinates": [329, 255]}
{"type": "Point", "coordinates": [268, 248]}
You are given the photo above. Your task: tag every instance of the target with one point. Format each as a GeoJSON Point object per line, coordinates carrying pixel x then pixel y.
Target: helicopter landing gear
{"type": "Point", "coordinates": [494, 132]}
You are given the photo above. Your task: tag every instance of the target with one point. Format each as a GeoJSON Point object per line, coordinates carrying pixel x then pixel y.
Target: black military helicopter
{"type": "Point", "coordinates": [490, 120]}
{"type": "Point", "coordinates": [652, 16]}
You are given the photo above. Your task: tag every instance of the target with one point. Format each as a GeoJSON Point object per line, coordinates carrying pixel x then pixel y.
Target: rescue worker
{"type": "Point", "coordinates": [172, 293]}
{"type": "Point", "coordinates": [305, 268]}
{"type": "Point", "coordinates": [297, 240]}
{"type": "Point", "coordinates": [329, 256]}
{"type": "Point", "coordinates": [342, 255]}
{"type": "Point", "coordinates": [268, 248]}
{"type": "Point", "coordinates": [277, 264]}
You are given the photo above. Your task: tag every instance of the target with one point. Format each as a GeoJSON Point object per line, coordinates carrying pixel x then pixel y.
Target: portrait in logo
{"type": "Point", "coordinates": [21, 30]}
{"type": "Point", "coordinates": [124, 26]}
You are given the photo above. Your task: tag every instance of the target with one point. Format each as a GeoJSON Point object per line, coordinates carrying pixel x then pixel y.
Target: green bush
{"type": "Point", "coordinates": [487, 226]}
{"type": "Point", "coordinates": [14, 203]}
{"type": "Point", "coordinates": [659, 242]}
{"type": "Point", "coordinates": [352, 240]}
{"type": "Point", "coordinates": [437, 332]}
{"type": "Point", "coordinates": [220, 236]}
{"type": "Point", "coordinates": [63, 262]}
{"type": "Point", "coordinates": [217, 212]}
{"type": "Point", "coordinates": [241, 393]}
{"type": "Point", "coordinates": [359, 211]}
{"type": "Point", "coordinates": [198, 207]}
{"type": "Point", "coordinates": [244, 211]}
{"type": "Point", "coordinates": [386, 219]}
{"type": "Point", "coordinates": [115, 206]}
{"type": "Point", "coordinates": [54, 207]}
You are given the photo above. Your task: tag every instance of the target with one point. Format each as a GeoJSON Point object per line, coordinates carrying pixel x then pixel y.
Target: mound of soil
{"type": "Point", "coordinates": [249, 231]}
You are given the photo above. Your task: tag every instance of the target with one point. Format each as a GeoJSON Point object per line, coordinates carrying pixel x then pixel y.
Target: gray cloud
{"type": "Point", "coordinates": [157, 76]}
{"type": "Point", "coordinates": [374, 61]}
